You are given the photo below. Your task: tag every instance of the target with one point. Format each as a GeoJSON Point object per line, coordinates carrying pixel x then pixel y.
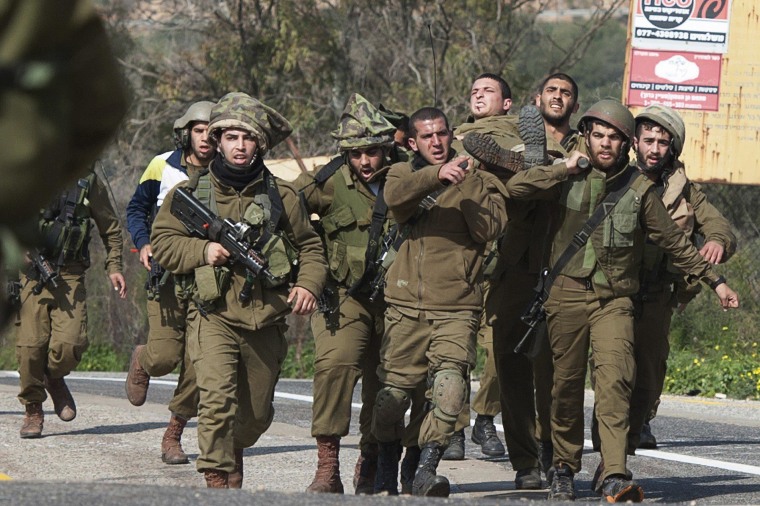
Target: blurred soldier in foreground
{"type": "Point", "coordinates": [167, 316]}
{"type": "Point", "coordinates": [236, 233]}
{"type": "Point", "coordinates": [52, 323]}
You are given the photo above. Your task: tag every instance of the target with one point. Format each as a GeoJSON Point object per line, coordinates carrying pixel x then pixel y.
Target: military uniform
{"type": "Point", "coordinates": [347, 338]}
{"type": "Point", "coordinates": [434, 299]}
{"type": "Point", "coordinates": [237, 348]}
{"type": "Point", "coordinates": [589, 303]}
{"type": "Point", "coordinates": [52, 324]}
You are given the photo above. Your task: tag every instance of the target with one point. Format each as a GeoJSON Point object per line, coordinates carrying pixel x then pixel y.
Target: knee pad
{"type": "Point", "coordinates": [449, 394]}
{"type": "Point", "coordinates": [391, 403]}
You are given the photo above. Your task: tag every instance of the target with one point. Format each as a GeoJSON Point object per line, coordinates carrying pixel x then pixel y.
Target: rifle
{"type": "Point", "coordinates": [43, 271]}
{"type": "Point", "coordinates": [534, 316]}
{"type": "Point", "coordinates": [328, 309]}
{"type": "Point", "coordinates": [384, 260]}
{"type": "Point", "coordinates": [237, 238]}
{"type": "Point", "coordinates": [13, 294]}
{"type": "Point", "coordinates": [157, 278]}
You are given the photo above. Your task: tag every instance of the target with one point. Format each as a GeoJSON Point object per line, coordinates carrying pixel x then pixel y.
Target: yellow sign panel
{"type": "Point", "coordinates": [723, 145]}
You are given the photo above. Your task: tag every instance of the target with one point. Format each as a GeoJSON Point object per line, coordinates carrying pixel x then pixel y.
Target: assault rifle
{"type": "Point", "coordinates": [44, 272]}
{"type": "Point", "coordinates": [383, 263]}
{"type": "Point", "coordinates": [237, 238]}
{"type": "Point", "coordinates": [534, 316]}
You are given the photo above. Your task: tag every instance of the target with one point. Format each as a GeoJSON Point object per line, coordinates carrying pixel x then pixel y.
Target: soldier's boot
{"type": "Point", "coordinates": [171, 444]}
{"type": "Point", "coordinates": [216, 479]}
{"type": "Point", "coordinates": [235, 479]}
{"type": "Point", "coordinates": [63, 402]}
{"type": "Point", "coordinates": [487, 151]}
{"type": "Point", "coordinates": [484, 434]}
{"type": "Point", "coordinates": [618, 488]}
{"type": "Point", "coordinates": [455, 450]}
{"type": "Point", "coordinates": [327, 478]}
{"type": "Point", "coordinates": [533, 134]}
{"type": "Point", "coordinates": [563, 484]}
{"type": "Point", "coordinates": [647, 441]}
{"type": "Point", "coordinates": [409, 469]}
{"type": "Point", "coordinates": [386, 477]}
{"type": "Point", "coordinates": [426, 482]}
{"type": "Point", "coordinates": [365, 472]}
{"type": "Point", "coordinates": [137, 379]}
{"type": "Point", "coordinates": [33, 420]}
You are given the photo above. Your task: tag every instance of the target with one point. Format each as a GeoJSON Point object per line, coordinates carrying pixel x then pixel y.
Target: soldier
{"type": "Point", "coordinates": [167, 315]}
{"type": "Point", "coordinates": [490, 101]}
{"type": "Point", "coordinates": [236, 323]}
{"type": "Point", "coordinates": [594, 290]}
{"type": "Point", "coordinates": [52, 320]}
{"type": "Point", "coordinates": [434, 303]}
{"type": "Point", "coordinates": [659, 140]}
{"type": "Point", "coordinates": [347, 196]}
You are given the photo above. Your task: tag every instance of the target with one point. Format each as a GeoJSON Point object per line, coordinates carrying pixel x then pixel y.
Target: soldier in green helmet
{"type": "Point", "coordinates": [236, 341]}
{"type": "Point", "coordinates": [589, 303]}
{"type": "Point", "coordinates": [347, 195]}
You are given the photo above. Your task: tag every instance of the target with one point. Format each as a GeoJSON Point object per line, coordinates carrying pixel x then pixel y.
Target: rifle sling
{"type": "Point", "coordinates": [583, 235]}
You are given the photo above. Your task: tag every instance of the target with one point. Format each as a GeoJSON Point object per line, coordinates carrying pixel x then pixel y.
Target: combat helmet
{"type": "Point", "coordinates": [240, 110]}
{"type": "Point", "coordinates": [670, 120]}
{"type": "Point", "coordinates": [197, 112]}
{"type": "Point", "coordinates": [612, 112]}
{"type": "Point", "coordinates": [362, 125]}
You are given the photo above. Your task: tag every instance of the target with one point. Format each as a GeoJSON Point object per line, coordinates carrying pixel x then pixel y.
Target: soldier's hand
{"type": "Point", "coordinates": [574, 165]}
{"type": "Point", "coordinates": [302, 300]}
{"type": "Point", "coordinates": [455, 170]}
{"type": "Point", "coordinates": [728, 298]}
{"type": "Point", "coordinates": [712, 251]}
{"type": "Point", "coordinates": [146, 253]}
{"type": "Point", "coordinates": [216, 255]}
{"type": "Point", "coordinates": [119, 284]}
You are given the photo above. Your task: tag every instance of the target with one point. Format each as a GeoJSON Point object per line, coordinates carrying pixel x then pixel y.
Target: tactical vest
{"type": "Point", "coordinates": [207, 284]}
{"type": "Point", "coordinates": [613, 254]}
{"type": "Point", "coordinates": [65, 225]}
{"type": "Point", "coordinates": [346, 232]}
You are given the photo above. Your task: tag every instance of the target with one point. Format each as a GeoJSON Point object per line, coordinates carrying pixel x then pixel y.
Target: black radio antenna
{"type": "Point", "coordinates": [435, 68]}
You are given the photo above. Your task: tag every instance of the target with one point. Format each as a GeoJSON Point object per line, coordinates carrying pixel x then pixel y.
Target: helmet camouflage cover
{"type": "Point", "coordinates": [669, 119]}
{"type": "Point", "coordinates": [239, 110]}
{"type": "Point", "coordinates": [362, 125]}
{"type": "Point", "coordinates": [612, 112]}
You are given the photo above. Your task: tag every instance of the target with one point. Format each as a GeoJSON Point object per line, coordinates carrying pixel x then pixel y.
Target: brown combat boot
{"type": "Point", "coordinates": [33, 421]}
{"type": "Point", "coordinates": [365, 471]}
{"type": "Point", "coordinates": [236, 477]}
{"type": "Point", "coordinates": [137, 379]}
{"type": "Point", "coordinates": [63, 402]}
{"type": "Point", "coordinates": [171, 446]}
{"type": "Point", "coordinates": [216, 479]}
{"type": "Point", "coordinates": [327, 478]}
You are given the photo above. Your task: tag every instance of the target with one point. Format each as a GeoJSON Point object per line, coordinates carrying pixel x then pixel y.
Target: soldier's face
{"type": "Point", "coordinates": [556, 102]}
{"type": "Point", "coordinates": [432, 140]}
{"type": "Point", "coordinates": [652, 146]}
{"type": "Point", "coordinates": [366, 161]}
{"type": "Point", "coordinates": [238, 147]}
{"type": "Point", "coordinates": [605, 144]}
{"type": "Point", "coordinates": [486, 99]}
{"type": "Point", "coordinates": [202, 149]}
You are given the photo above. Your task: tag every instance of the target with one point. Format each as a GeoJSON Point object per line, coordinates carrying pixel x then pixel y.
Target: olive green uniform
{"type": "Point", "coordinates": [590, 305]}
{"type": "Point", "coordinates": [662, 288]}
{"type": "Point", "coordinates": [237, 350]}
{"type": "Point", "coordinates": [434, 295]}
{"type": "Point", "coordinates": [350, 348]}
{"type": "Point", "coordinates": [52, 326]}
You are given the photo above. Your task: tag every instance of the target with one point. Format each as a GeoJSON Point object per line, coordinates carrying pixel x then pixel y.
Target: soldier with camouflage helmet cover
{"type": "Point", "coordinates": [346, 194]}
{"type": "Point", "coordinates": [589, 303]}
{"type": "Point", "coordinates": [167, 316]}
{"type": "Point", "coordinates": [236, 343]}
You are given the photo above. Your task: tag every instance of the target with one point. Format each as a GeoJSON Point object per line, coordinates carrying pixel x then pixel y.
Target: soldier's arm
{"type": "Point", "coordinates": [317, 198]}
{"type": "Point", "coordinates": [540, 182]}
{"type": "Point", "coordinates": [712, 225]}
{"type": "Point", "coordinates": [173, 247]}
{"type": "Point", "coordinates": [105, 218]}
{"type": "Point", "coordinates": [484, 206]}
{"type": "Point", "coordinates": [404, 189]}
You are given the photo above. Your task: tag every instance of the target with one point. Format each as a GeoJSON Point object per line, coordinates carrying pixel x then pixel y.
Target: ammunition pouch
{"type": "Point", "coordinates": [205, 286]}
{"type": "Point", "coordinates": [283, 260]}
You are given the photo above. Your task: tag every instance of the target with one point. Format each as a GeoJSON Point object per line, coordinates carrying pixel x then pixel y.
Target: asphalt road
{"type": "Point", "coordinates": [111, 454]}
